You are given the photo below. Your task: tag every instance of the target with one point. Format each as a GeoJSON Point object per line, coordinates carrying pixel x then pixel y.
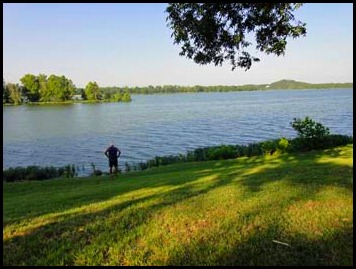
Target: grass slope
{"type": "Point", "coordinates": [273, 210]}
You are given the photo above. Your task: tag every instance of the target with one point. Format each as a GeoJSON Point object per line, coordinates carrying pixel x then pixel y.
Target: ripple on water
{"type": "Point", "coordinates": [163, 125]}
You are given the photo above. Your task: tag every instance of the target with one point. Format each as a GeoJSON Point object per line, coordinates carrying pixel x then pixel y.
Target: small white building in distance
{"type": "Point", "coordinates": [77, 97]}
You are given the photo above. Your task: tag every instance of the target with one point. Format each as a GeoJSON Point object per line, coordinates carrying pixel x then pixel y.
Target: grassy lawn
{"type": "Point", "coordinates": [287, 209]}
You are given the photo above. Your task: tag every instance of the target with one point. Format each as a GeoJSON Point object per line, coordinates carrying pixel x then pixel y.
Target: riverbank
{"type": "Point", "coordinates": [70, 102]}
{"type": "Point", "coordinates": [283, 209]}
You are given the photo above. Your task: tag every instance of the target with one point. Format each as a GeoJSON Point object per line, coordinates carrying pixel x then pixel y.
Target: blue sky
{"type": "Point", "coordinates": [131, 45]}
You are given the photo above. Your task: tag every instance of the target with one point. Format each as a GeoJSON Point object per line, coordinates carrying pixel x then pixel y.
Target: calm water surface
{"type": "Point", "coordinates": [157, 125]}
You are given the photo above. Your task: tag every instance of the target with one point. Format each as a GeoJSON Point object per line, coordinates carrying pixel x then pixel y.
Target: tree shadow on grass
{"type": "Point", "coordinates": [306, 171]}
{"type": "Point", "coordinates": [64, 239]}
{"type": "Point", "coordinates": [303, 169]}
{"type": "Point", "coordinates": [75, 231]}
{"type": "Point", "coordinates": [264, 249]}
{"type": "Point", "coordinates": [81, 192]}
{"type": "Point", "coordinates": [309, 175]}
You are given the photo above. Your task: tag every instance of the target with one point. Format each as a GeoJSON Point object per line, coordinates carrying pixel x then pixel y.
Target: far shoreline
{"type": "Point", "coordinates": [70, 102]}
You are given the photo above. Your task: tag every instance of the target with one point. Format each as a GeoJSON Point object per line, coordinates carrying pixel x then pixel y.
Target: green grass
{"type": "Point", "coordinates": [232, 212]}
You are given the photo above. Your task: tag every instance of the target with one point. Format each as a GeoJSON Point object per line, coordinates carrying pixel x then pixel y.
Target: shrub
{"type": "Point", "coordinates": [308, 128]}
{"type": "Point", "coordinates": [336, 140]}
{"type": "Point", "coordinates": [37, 173]}
{"type": "Point", "coordinates": [68, 171]}
{"type": "Point", "coordinates": [311, 135]}
{"type": "Point", "coordinates": [330, 141]}
{"type": "Point", "coordinates": [253, 149]}
{"type": "Point", "coordinates": [283, 144]}
{"type": "Point", "coordinates": [269, 146]}
{"type": "Point", "coordinates": [199, 154]}
{"type": "Point", "coordinates": [298, 145]}
{"type": "Point", "coordinates": [222, 152]}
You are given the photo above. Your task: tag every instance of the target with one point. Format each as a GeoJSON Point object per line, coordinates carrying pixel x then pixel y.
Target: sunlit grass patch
{"type": "Point", "coordinates": [315, 218]}
{"type": "Point", "coordinates": [284, 209]}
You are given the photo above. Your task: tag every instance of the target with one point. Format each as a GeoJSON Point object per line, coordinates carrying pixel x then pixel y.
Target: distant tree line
{"type": "Point", "coordinates": [178, 89]}
{"type": "Point", "coordinates": [282, 84]}
{"type": "Point", "coordinates": [61, 89]}
{"type": "Point", "coordinates": [37, 89]}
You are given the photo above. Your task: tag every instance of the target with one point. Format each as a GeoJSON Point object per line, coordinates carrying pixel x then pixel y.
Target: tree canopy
{"type": "Point", "coordinates": [39, 88]}
{"type": "Point", "coordinates": [93, 92]}
{"type": "Point", "coordinates": [14, 93]}
{"type": "Point", "coordinates": [31, 87]}
{"type": "Point", "coordinates": [58, 89]}
{"type": "Point", "coordinates": [217, 32]}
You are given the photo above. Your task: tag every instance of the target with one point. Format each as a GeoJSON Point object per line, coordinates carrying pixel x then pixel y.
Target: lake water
{"type": "Point", "coordinates": [157, 125]}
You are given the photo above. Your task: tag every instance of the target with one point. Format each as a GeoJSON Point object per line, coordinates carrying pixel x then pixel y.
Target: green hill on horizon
{"type": "Point", "coordinates": [293, 84]}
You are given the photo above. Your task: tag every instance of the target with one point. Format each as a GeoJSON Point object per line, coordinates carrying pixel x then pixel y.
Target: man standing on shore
{"type": "Point", "coordinates": [113, 153]}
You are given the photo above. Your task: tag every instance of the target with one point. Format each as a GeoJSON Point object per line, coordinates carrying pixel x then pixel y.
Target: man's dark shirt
{"type": "Point", "coordinates": [111, 152]}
